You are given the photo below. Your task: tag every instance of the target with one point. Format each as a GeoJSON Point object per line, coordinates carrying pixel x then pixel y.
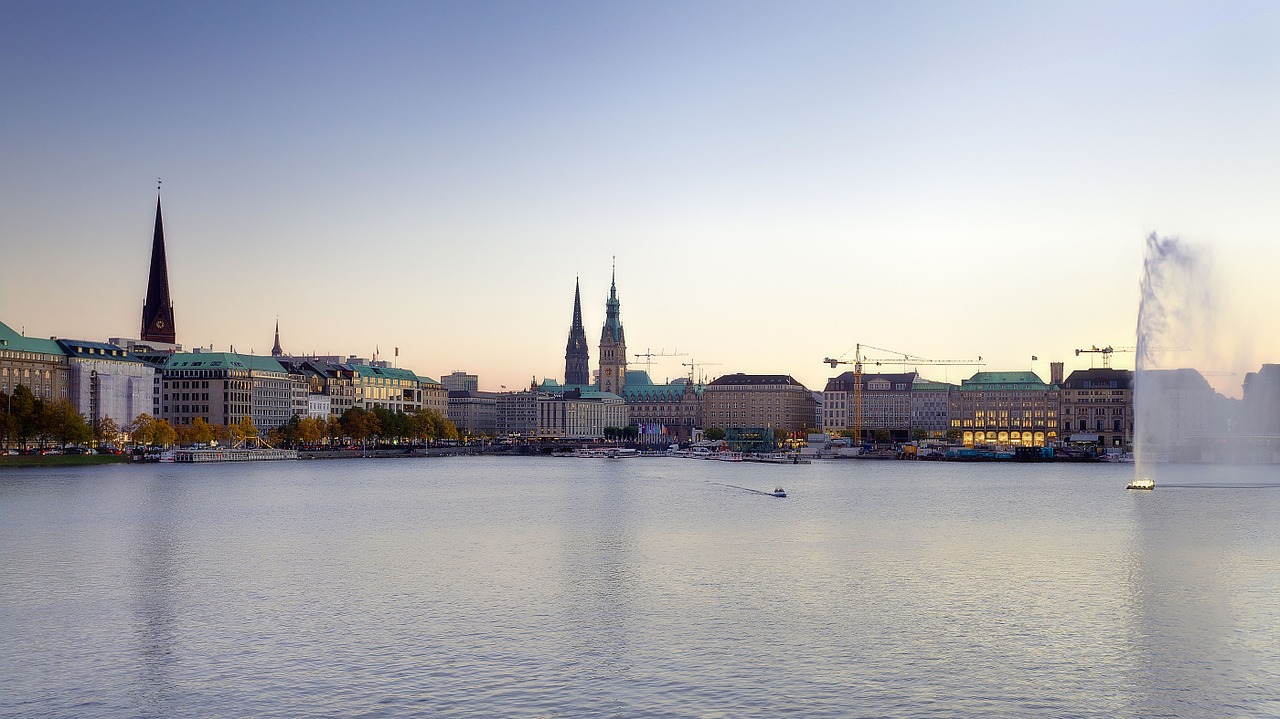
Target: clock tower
{"type": "Point", "coordinates": [157, 312]}
{"type": "Point", "coordinates": [613, 344]}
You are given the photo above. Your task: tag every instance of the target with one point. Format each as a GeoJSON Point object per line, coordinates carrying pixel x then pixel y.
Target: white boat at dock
{"type": "Point", "coordinates": [218, 454]}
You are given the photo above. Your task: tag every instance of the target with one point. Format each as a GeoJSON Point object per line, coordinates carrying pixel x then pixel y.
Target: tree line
{"type": "Point", "coordinates": [27, 420]}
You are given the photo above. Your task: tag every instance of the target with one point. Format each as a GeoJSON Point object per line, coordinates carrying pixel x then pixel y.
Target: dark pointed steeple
{"type": "Point", "coordinates": [276, 351]}
{"type": "Point", "coordinates": [157, 312]}
{"type": "Point", "coordinates": [577, 357]}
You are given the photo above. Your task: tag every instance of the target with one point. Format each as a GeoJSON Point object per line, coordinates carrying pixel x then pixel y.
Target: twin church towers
{"type": "Point", "coordinates": [613, 345]}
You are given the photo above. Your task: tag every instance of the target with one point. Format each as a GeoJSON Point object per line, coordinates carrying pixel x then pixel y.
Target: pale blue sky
{"type": "Point", "coordinates": [777, 180]}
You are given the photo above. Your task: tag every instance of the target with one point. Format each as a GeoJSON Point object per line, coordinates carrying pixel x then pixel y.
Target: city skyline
{"type": "Point", "coordinates": [777, 184]}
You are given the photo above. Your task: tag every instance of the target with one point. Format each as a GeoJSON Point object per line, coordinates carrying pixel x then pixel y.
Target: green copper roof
{"type": "Point", "coordinates": [14, 342]}
{"type": "Point", "coordinates": [223, 360]}
{"type": "Point", "coordinates": [365, 370]}
{"type": "Point", "coordinates": [991, 381]}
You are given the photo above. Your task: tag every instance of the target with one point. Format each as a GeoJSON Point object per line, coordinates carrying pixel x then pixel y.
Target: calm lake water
{"type": "Point", "coordinates": [537, 587]}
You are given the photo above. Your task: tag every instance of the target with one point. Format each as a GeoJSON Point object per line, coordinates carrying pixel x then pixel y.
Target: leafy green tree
{"type": "Point", "coordinates": [882, 436]}
{"type": "Point", "coordinates": [360, 424]}
{"type": "Point", "coordinates": [25, 414]}
{"type": "Point", "coordinates": [60, 422]}
{"type": "Point", "coordinates": [630, 432]}
{"type": "Point", "coordinates": [954, 435]}
{"type": "Point", "coordinates": [918, 434]}
{"type": "Point", "coordinates": [8, 426]}
{"type": "Point", "coordinates": [715, 434]}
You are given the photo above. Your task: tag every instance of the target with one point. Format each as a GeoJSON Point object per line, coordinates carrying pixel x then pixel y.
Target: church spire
{"type": "Point", "coordinates": [577, 357]}
{"type": "Point", "coordinates": [613, 343]}
{"type": "Point", "coordinates": [276, 351]}
{"type": "Point", "coordinates": [157, 312]}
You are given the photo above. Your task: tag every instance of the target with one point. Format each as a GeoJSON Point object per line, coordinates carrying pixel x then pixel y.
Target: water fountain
{"type": "Point", "coordinates": [1185, 336]}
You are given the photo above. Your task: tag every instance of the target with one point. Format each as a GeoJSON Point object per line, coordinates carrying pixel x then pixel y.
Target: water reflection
{"type": "Point", "coordinates": [1199, 540]}
{"type": "Point", "coordinates": [156, 582]}
{"type": "Point", "coordinates": [597, 550]}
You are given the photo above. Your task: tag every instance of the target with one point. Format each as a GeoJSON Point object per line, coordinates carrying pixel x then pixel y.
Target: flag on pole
{"type": "Point", "coordinates": [1034, 358]}
{"type": "Point", "coordinates": [397, 351]}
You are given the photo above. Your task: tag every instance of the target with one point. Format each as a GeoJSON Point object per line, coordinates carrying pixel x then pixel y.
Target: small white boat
{"type": "Point", "coordinates": [779, 492]}
{"type": "Point", "coordinates": [1142, 483]}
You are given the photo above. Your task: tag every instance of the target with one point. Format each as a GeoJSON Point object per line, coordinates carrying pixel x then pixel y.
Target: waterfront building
{"type": "Point", "coordinates": [580, 414]}
{"type": "Point", "coordinates": [459, 381]}
{"type": "Point", "coordinates": [577, 357]}
{"type": "Point", "coordinates": [388, 387]}
{"type": "Point", "coordinates": [335, 381]}
{"type": "Point", "coordinates": [613, 344]}
{"type": "Point", "coordinates": [930, 408]}
{"type": "Point", "coordinates": [517, 413]}
{"type": "Point", "coordinates": [42, 365]}
{"type": "Point", "coordinates": [886, 404]}
{"type": "Point", "coordinates": [774, 401]}
{"type": "Point", "coordinates": [1005, 408]}
{"type": "Point", "coordinates": [157, 311]}
{"type": "Point", "coordinates": [224, 388]}
{"type": "Point", "coordinates": [1097, 406]}
{"type": "Point", "coordinates": [105, 381]}
{"type": "Point", "coordinates": [319, 406]}
{"type": "Point", "coordinates": [664, 413]}
{"type": "Point", "coordinates": [433, 395]}
{"type": "Point", "coordinates": [473, 412]}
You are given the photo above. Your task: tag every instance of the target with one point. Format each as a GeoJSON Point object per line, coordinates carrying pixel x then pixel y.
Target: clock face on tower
{"type": "Point", "coordinates": [159, 324]}
{"type": "Point", "coordinates": [608, 371]}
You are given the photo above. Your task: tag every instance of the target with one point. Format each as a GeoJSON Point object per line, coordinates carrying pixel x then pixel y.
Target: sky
{"type": "Point", "coordinates": [776, 182]}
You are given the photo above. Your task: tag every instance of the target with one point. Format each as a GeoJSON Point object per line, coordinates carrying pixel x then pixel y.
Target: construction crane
{"type": "Point", "coordinates": [904, 359]}
{"type": "Point", "coordinates": [692, 365]}
{"type": "Point", "coordinates": [649, 354]}
{"type": "Point", "coordinates": [1106, 353]}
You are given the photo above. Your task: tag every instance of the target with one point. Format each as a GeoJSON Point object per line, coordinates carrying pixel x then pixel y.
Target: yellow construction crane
{"type": "Point", "coordinates": [903, 359]}
{"type": "Point", "coordinates": [1106, 353]}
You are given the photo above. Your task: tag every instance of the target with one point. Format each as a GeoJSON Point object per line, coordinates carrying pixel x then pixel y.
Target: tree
{"type": "Point", "coordinates": [630, 432]}
{"type": "Point", "coordinates": [163, 433]}
{"type": "Point", "coordinates": [25, 413]}
{"type": "Point", "coordinates": [107, 432]}
{"type": "Point", "coordinates": [715, 434]}
{"type": "Point", "coordinates": [200, 431]}
{"type": "Point", "coordinates": [142, 429]}
{"type": "Point", "coordinates": [60, 422]}
{"type": "Point", "coordinates": [310, 430]}
{"type": "Point", "coordinates": [612, 432]}
{"type": "Point", "coordinates": [448, 430]}
{"type": "Point", "coordinates": [222, 433]}
{"type": "Point", "coordinates": [244, 430]}
{"type": "Point", "coordinates": [359, 424]}
{"type": "Point", "coordinates": [882, 436]}
{"type": "Point", "coordinates": [918, 434]}
{"type": "Point", "coordinates": [954, 435]}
